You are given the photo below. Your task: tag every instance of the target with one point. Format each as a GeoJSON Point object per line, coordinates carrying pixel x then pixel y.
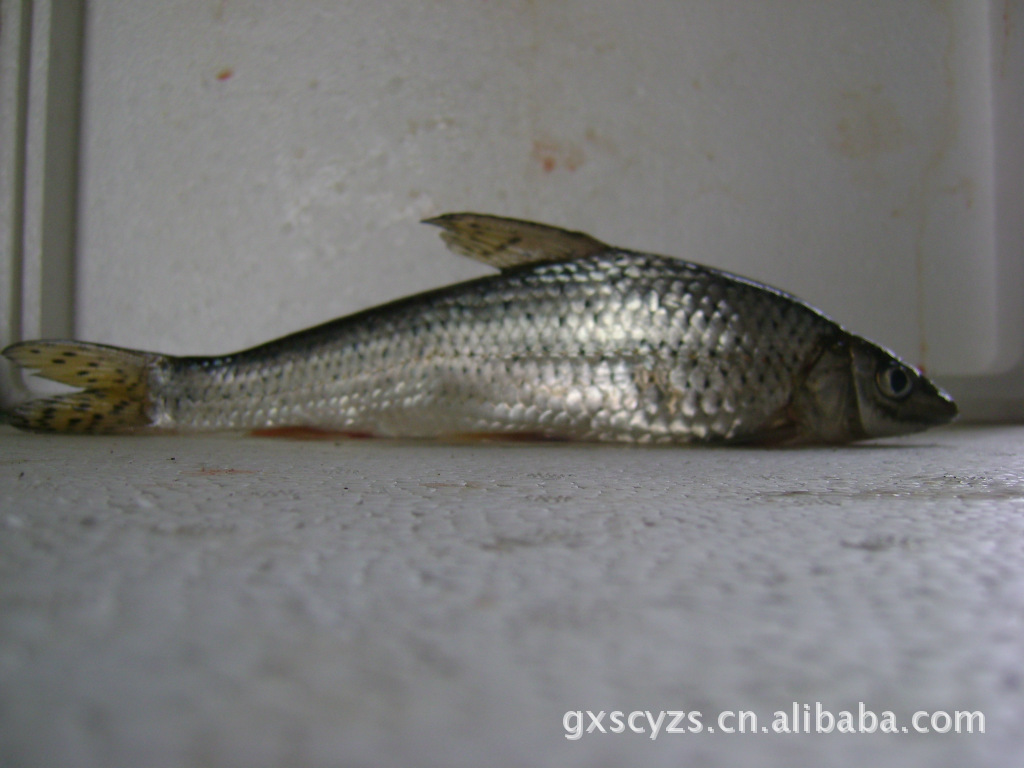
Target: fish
{"type": "Point", "coordinates": [571, 339]}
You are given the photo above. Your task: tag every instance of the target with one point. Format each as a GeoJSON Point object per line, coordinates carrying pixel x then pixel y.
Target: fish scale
{"type": "Point", "coordinates": [572, 339]}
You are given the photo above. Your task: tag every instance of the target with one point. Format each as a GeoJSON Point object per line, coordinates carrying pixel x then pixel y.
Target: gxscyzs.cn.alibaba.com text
{"type": "Point", "coordinates": [797, 719]}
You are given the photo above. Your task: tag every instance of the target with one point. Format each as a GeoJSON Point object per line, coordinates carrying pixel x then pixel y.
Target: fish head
{"type": "Point", "coordinates": [857, 390]}
{"type": "Point", "coordinates": [894, 398]}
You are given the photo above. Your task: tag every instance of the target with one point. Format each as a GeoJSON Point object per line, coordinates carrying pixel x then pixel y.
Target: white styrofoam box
{"type": "Point", "coordinates": [222, 602]}
{"type": "Point", "coordinates": [249, 169]}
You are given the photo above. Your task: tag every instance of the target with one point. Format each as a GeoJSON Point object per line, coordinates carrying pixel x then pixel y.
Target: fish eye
{"type": "Point", "coordinates": [894, 381]}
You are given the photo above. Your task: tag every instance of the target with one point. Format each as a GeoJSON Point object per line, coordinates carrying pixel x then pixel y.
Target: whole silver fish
{"type": "Point", "coordinates": [573, 339]}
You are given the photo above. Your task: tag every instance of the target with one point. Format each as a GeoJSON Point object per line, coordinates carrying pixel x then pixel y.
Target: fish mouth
{"type": "Point", "coordinates": [940, 408]}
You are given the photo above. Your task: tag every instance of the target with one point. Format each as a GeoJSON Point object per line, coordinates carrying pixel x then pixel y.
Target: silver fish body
{"type": "Point", "coordinates": [571, 340]}
{"type": "Point", "coordinates": [617, 346]}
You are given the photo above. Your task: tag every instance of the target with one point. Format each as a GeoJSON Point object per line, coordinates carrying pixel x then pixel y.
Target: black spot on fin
{"type": "Point", "coordinates": [506, 243]}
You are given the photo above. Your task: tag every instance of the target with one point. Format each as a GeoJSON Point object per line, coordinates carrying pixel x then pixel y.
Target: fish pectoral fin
{"type": "Point", "coordinates": [782, 428]}
{"type": "Point", "coordinates": [507, 243]}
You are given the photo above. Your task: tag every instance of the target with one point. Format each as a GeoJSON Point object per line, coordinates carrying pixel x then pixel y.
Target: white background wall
{"type": "Point", "coordinates": [251, 168]}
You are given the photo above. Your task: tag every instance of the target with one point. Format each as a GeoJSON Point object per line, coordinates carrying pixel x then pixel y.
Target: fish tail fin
{"type": "Point", "coordinates": [111, 387]}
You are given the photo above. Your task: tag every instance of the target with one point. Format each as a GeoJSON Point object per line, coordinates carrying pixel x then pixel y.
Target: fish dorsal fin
{"type": "Point", "coordinates": [507, 243]}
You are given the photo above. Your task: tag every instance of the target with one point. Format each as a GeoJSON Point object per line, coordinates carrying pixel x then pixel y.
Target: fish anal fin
{"type": "Point", "coordinates": [507, 243]}
{"type": "Point", "coordinates": [781, 428]}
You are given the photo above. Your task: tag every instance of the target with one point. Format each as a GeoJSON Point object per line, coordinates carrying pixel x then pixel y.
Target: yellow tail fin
{"type": "Point", "coordinates": [113, 382]}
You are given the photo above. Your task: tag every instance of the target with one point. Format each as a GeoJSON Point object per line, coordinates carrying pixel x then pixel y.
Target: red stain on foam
{"type": "Point", "coordinates": [225, 74]}
{"type": "Point", "coordinates": [1007, 35]}
{"type": "Point", "coordinates": [552, 154]}
{"type": "Point", "coordinates": [310, 433]}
